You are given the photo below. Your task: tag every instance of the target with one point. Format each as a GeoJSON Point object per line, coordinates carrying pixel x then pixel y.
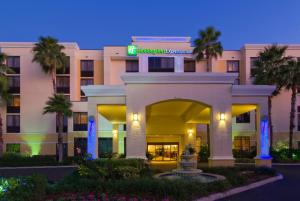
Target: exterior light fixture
{"type": "Point", "coordinates": [190, 132]}
{"type": "Point", "coordinates": [222, 116]}
{"type": "Point", "coordinates": [135, 117]}
{"type": "Point", "coordinates": [115, 133]}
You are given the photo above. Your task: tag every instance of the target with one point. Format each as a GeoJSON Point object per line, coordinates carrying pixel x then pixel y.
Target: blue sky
{"type": "Point", "coordinates": [96, 23]}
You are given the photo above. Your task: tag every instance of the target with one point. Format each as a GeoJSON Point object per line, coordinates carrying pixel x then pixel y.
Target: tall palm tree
{"type": "Point", "coordinates": [63, 108]}
{"type": "Point", "coordinates": [208, 46]}
{"type": "Point", "coordinates": [4, 95]}
{"type": "Point", "coordinates": [48, 53]}
{"type": "Point", "coordinates": [266, 72]}
{"type": "Point", "coordinates": [291, 79]}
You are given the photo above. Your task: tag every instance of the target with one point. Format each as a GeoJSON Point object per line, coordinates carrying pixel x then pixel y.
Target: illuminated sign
{"type": "Point", "coordinates": [132, 50]}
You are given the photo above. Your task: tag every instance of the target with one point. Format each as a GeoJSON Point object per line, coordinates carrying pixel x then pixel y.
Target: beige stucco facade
{"type": "Point", "coordinates": [196, 100]}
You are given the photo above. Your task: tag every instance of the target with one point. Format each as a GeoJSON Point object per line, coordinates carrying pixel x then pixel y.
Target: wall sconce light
{"type": "Point", "coordinates": [190, 132]}
{"type": "Point", "coordinates": [115, 132]}
{"type": "Point", "coordinates": [135, 117]}
{"type": "Point", "coordinates": [222, 116]}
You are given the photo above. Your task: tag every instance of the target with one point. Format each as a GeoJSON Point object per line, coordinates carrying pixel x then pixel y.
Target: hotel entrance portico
{"type": "Point", "coordinates": [205, 98]}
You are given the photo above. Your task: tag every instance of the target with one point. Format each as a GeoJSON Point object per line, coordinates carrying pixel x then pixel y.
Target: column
{"type": "Point", "coordinates": [115, 134]}
{"type": "Point", "coordinates": [220, 136]}
{"type": "Point", "coordinates": [92, 134]}
{"type": "Point", "coordinates": [263, 157]}
{"type": "Point", "coordinates": [179, 64]}
{"type": "Point", "coordinates": [143, 63]}
{"type": "Point", "coordinates": [136, 134]}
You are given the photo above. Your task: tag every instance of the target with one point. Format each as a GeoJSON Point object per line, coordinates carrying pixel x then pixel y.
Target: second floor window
{"type": "Point", "coordinates": [87, 68]}
{"type": "Point", "coordinates": [189, 66]}
{"type": "Point", "coordinates": [14, 63]}
{"type": "Point", "coordinates": [161, 64]}
{"type": "Point", "coordinates": [13, 106]}
{"type": "Point", "coordinates": [13, 123]}
{"type": "Point", "coordinates": [80, 120]}
{"type": "Point", "coordinates": [14, 84]}
{"type": "Point", "coordinates": [243, 118]}
{"type": "Point", "coordinates": [233, 66]}
{"type": "Point", "coordinates": [63, 84]}
{"type": "Point", "coordinates": [132, 66]}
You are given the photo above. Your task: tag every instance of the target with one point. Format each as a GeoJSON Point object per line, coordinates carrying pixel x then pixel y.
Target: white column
{"type": "Point", "coordinates": [143, 63]}
{"type": "Point", "coordinates": [179, 64]}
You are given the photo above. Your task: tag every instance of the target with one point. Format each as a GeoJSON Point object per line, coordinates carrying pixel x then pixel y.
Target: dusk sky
{"type": "Point", "coordinates": [96, 23]}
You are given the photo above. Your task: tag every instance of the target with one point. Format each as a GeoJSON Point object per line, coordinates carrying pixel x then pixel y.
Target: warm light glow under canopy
{"type": "Point", "coordinates": [222, 116]}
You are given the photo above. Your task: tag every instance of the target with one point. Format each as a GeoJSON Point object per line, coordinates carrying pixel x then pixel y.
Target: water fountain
{"type": "Point", "coordinates": [188, 169]}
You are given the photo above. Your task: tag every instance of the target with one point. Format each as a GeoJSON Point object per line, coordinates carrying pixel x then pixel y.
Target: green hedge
{"type": "Point", "coordinates": [283, 156]}
{"type": "Point", "coordinates": [17, 160]}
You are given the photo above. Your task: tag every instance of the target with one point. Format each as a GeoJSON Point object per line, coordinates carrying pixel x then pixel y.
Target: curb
{"type": "Point", "coordinates": [37, 167]}
{"type": "Point", "coordinates": [237, 190]}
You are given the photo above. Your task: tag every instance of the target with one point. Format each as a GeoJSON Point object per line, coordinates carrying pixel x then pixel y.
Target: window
{"type": "Point", "coordinates": [189, 66]}
{"type": "Point", "coordinates": [87, 68]}
{"type": "Point", "coordinates": [242, 143]}
{"type": "Point", "coordinates": [253, 61]}
{"type": "Point", "coordinates": [132, 66]}
{"type": "Point", "coordinates": [298, 115]}
{"type": "Point", "coordinates": [13, 148]}
{"type": "Point", "coordinates": [14, 84]}
{"type": "Point", "coordinates": [63, 84]}
{"type": "Point", "coordinates": [233, 66]}
{"type": "Point", "coordinates": [105, 147]}
{"type": "Point", "coordinates": [161, 64]}
{"type": "Point", "coordinates": [85, 82]}
{"type": "Point", "coordinates": [243, 118]}
{"type": "Point", "coordinates": [13, 106]}
{"type": "Point", "coordinates": [80, 120]}
{"type": "Point", "coordinates": [65, 124]}
{"type": "Point", "coordinates": [13, 123]}
{"type": "Point", "coordinates": [14, 63]}
{"type": "Point", "coordinates": [67, 68]}
{"type": "Point", "coordinates": [80, 146]}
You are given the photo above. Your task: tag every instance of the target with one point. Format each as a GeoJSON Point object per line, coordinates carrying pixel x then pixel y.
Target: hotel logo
{"type": "Point", "coordinates": [131, 50]}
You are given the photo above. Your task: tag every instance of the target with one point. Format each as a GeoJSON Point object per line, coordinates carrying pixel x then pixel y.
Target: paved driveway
{"type": "Point", "coordinates": [287, 189]}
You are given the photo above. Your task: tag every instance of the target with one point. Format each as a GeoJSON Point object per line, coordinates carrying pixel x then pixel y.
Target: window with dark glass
{"type": "Point", "coordinates": [63, 84]}
{"type": "Point", "coordinates": [85, 82]}
{"type": "Point", "coordinates": [13, 123]}
{"type": "Point", "coordinates": [13, 106]}
{"type": "Point", "coordinates": [241, 143]}
{"type": "Point", "coordinates": [298, 115]}
{"type": "Point", "coordinates": [66, 70]}
{"type": "Point", "coordinates": [13, 148]}
{"type": "Point", "coordinates": [14, 63]}
{"type": "Point", "coordinates": [189, 66]}
{"type": "Point", "coordinates": [161, 64]}
{"type": "Point", "coordinates": [80, 120]}
{"type": "Point", "coordinates": [132, 66]}
{"type": "Point", "coordinates": [105, 147]}
{"type": "Point", "coordinates": [253, 61]}
{"type": "Point", "coordinates": [87, 68]}
{"type": "Point", "coordinates": [80, 146]}
{"type": "Point", "coordinates": [65, 124]}
{"type": "Point", "coordinates": [233, 66]}
{"type": "Point", "coordinates": [243, 118]}
{"type": "Point", "coordinates": [14, 84]}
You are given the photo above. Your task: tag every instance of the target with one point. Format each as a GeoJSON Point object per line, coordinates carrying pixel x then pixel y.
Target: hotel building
{"type": "Point", "coordinates": [148, 97]}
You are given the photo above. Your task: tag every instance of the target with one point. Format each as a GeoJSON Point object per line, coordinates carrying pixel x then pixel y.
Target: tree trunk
{"type": "Point", "coordinates": [270, 121]}
{"type": "Point", "coordinates": [1, 137]}
{"type": "Point", "coordinates": [60, 137]}
{"type": "Point", "coordinates": [53, 75]}
{"type": "Point", "coordinates": [292, 119]}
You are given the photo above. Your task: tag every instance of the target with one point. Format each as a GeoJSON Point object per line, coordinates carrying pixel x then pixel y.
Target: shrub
{"type": "Point", "coordinates": [23, 188]}
{"type": "Point", "coordinates": [203, 153]}
{"type": "Point", "coordinates": [125, 172]}
{"type": "Point", "coordinates": [283, 155]}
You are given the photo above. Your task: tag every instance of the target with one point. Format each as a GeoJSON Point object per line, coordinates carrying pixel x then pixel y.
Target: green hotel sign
{"type": "Point", "coordinates": [133, 50]}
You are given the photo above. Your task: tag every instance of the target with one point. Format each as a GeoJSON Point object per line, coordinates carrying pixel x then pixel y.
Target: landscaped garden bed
{"type": "Point", "coordinates": [124, 179]}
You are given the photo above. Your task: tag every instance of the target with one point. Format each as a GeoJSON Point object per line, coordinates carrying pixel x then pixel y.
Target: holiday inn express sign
{"type": "Point", "coordinates": [133, 50]}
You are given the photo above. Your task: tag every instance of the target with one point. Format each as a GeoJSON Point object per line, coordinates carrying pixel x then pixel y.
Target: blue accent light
{"type": "Point", "coordinates": [264, 138]}
{"type": "Point", "coordinates": [91, 145]}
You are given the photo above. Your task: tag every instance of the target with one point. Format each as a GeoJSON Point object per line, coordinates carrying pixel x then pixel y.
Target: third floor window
{"type": "Point", "coordinates": [67, 67]}
{"type": "Point", "coordinates": [87, 68]}
{"type": "Point", "coordinates": [161, 64]}
{"type": "Point", "coordinates": [233, 66]}
{"type": "Point", "coordinates": [14, 63]}
{"type": "Point", "coordinates": [63, 84]}
{"type": "Point", "coordinates": [132, 66]}
{"type": "Point", "coordinates": [13, 106]}
{"type": "Point", "coordinates": [14, 84]}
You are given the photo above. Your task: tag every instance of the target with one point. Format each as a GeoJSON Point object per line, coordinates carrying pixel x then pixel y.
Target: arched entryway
{"type": "Point", "coordinates": [172, 124]}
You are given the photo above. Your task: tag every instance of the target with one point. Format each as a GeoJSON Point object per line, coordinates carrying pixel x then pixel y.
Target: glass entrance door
{"type": "Point", "coordinates": [163, 151]}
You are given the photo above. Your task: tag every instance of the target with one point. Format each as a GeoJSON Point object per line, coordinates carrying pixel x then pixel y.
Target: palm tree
{"type": "Point", "coordinates": [266, 72]}
{"type": "Point", "coordinates": [291, 79]}
{"type": "Point", "coordinates": [63, 108]}
{"type": "Point", "coordinates": [207, 46]}
{"type": "Point", "coordinates": [48, 53]}
{"type": "Point", "coordinates": [4, 95]}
